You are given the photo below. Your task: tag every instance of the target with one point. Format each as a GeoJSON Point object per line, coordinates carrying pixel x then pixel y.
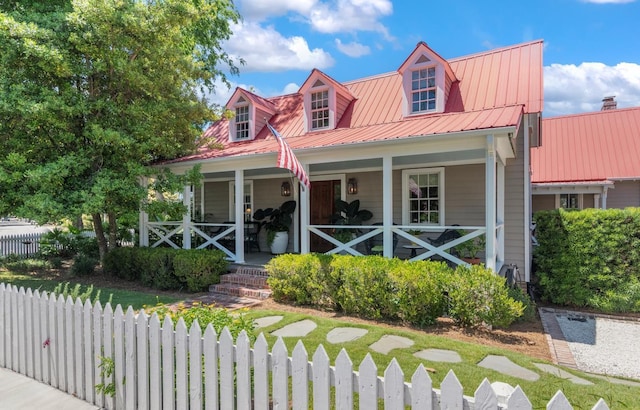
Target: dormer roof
{"type": "Point", "coordinates": [422, 54]}
{"type": "Point", "coordinates": [258, 101]}
{"type": "Point", "coordinates": [317, 75]}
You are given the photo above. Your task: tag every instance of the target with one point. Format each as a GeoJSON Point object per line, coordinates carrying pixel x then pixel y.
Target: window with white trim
{"type": "Point", "coordinates": [423, 196]}
{"type": "Point", "coordinates": [247, 201]}
{"type": "Point", "coordinates": [242, 122]}
{"type": "Point", "coordinates": [319, 109]}
{"type": "Point", "coordinates": [423, 90]}
{"type": "Point", "coordinates": [569, 201]}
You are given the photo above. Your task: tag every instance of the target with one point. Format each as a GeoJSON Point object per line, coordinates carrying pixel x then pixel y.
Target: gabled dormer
{"type": "Point", "coordinates": [250, 115]}
{"type": "Point", "coordinates": [426, 81]}
{"type": "Point", "coordinates": [325, 100]}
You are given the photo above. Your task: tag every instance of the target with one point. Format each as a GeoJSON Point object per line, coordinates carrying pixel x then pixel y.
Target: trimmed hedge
{"type": "Point", "coordinates": [167, 269]}
{"type": "Point", "coordinates": [590, 258]}
{"type": "Point", "coordinates": [374, 287]}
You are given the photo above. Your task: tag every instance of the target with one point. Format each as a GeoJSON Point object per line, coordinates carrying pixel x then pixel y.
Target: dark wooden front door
{"type": "Point", "coordinates": [323, 195]}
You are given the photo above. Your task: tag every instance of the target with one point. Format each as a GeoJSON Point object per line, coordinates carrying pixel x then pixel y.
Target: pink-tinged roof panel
{"type": "Point", "coordinates": [588, 147]}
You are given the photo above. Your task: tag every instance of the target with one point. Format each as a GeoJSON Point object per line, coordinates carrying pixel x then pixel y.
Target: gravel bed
{"type": "Point", "coordinates": [603, 345]}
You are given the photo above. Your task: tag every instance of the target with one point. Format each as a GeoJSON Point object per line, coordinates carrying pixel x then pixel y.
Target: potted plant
{"type": "Point", "coordinates": [468, 251]}
{"type": "Point", "coordinates": [348, 213]}
{"type": "Point", "coordinates": [276, 222]}
{"type": "Point", "coordinates": [414, 232]}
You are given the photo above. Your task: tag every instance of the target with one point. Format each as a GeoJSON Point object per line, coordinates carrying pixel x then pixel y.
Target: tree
{"type": "Point", "coordinates": [94, 92]}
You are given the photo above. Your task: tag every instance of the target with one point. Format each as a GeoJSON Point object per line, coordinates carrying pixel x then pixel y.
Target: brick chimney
{"type": "Point", "coordinates": [609, 103]}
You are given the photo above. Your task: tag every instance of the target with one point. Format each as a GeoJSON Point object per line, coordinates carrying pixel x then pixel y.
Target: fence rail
{"type": "Point", "coordinates": [156, 365]}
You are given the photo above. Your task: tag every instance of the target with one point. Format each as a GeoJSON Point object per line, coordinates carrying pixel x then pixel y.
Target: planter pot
{"type": "Point", "coordinates": [472, 261]}
{"type": "Point", "coordinates": [280, 243]}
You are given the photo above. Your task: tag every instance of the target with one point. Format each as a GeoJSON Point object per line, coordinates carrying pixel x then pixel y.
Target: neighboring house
{"type": "Point", "coordinates": [588, 160]}
{"type": "Point", "coordinates": [436, 145]}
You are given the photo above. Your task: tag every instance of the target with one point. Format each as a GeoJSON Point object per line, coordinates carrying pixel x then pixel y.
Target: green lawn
{"type": "Point", "coordinates": [123, 297]}
{"type": "Point", "coordinates": [469, 374]}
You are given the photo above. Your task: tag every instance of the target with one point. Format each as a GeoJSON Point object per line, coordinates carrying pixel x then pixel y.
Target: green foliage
{"type": "Point", "coordinates": [199, 268]}
{"type": "Point", "coordinates": [85, 88]}
{"type": "Point", "coordinates": [349, 213]}
{"type": "Point", "coordinates": [166, 268]}
{"type": "Point", "coordinates": [529, 311]}
{"type": "Point", "coordinates": [374, 287]}
{"type": "Point", "coordinates": [17, 264]}
{"type": "Point", "coordinates": [589, 258]}
{"type": "Point", "coordinates": [477, 295]}
{"type": "Point", "coordinates": [107, 367]}
{"type": "Point", "coordinates": [219, 318]}
{"type": "Point", "coordinates": [66, 243]}
{"type": "Point", "coordinates": [76, 292]}
{"type": "Point", "coordinates": [276, 219]}
{"type": "Point", "coordinates": [83, 265]}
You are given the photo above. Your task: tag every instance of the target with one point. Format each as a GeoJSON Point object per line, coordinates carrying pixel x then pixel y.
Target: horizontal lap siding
{"type": "Point", "coordinates": [464, 195]}
{"type": "Point", "coordinates": [514, 206]}
{"type": "Point", "coordinates": [543, 203]}
{"type": "Point", "coordinates": [216, 200]}
{"type": "Point", "coordinates": [625, 194]}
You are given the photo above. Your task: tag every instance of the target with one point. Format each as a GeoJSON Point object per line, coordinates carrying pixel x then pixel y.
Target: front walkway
{"type": "Point", "coordinates": [21, 392]}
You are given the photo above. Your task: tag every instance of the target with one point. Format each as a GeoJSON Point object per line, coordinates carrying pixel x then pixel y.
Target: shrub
{"type": "Point", "coordinates": [477, 295]}
{"type": "Point", "coordinates": [529, 306]}
{"type": "Point", "coordinates": [301, 279]}
{"type": "Point", "coordinates": [366, 289]}
{"type": "Point", "coordinates": [219, 318]}
{"type": "Point", "coordinates": [589, 257]}
{"type": "Point", "coordinates": [123, 263]}
{"type": "Point", "coordinates": [419, 291]}
{"type": "Point", "coordinates": [199, 268]}
{"type": "Point", "coordinates": [83, 265]}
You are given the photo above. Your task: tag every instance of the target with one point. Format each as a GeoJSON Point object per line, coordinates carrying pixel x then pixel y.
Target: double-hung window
{"type": "Point", "coordinates": [320, 110]}
{"type": "Point", "coordinates": [423, 90]}
{"type": "Point", "coordinates": [242, 122]}
{"type": "Point", "coordinates": [423, 196]}
{"type": "Point", "coordinates": [569, 201]}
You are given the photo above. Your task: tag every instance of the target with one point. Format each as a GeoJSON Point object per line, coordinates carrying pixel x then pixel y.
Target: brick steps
{"type": "Point", "coordinates": [244, 282]}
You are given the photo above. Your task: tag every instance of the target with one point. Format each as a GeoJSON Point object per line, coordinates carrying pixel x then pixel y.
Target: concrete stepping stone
{"type": "Point", "coordinates": [439, 355]}
{"type": "Point", "coordinates": [505, 366]}
{"type": "Point", "coordinates": [558, 372]}
{"type": "Point", "coordinates": [345, 334]}
{"type": "Point", "coordinates": [614, 380]}
{"type": "Point", "coordinates": [296, 329]}
{"type": "Point", "coordinates": [266, 321]}
{"type": "Point", "coordinates": [389, 342]}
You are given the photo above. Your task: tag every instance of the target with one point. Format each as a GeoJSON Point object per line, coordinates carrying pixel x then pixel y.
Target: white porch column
{"type": "Point", "coordinates": [387, 206]}
{"type": "Point", "coordinates": [143, 221]}
{"type": "Point", "coordinates": [490, 203]}
{"type": "Point", "coordinates": [239, 213]}
{"type": "Point", "coordinates": [500, 214]}
{"type": "Point", "coordinates": [186, 218]}
{"type": "Point", "coordinates": [604, 197]}
{"type": "Point", "coordinates": [304, 200]}
{"type": "Point", "coordinates": [596, 201]}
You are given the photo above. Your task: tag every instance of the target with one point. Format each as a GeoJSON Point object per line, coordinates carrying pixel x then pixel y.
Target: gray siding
{"type": "Point", "coordinates": [588, 201]}
{"type": "Point", "coordinates": [216, 200]}
{"type": "Point", "coordinates": [514, 218]}
{"type": "Point", "coordinates": [464, 195]}
{"type": "Point", "coordinates": [543, 203]}
{"type": "Point", "coordinates": [625, 194]}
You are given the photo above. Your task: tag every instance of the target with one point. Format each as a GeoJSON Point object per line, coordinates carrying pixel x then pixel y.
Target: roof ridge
{"type": "Point", "coordinates": [495, 50]}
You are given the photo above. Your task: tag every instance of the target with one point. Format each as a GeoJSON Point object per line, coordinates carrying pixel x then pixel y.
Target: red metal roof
{"type": "Point", "coordinates": [588, 147]}
{"type": "Point", "coordinates": [493, 90]}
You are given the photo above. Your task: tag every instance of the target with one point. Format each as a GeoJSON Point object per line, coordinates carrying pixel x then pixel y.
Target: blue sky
{"type": "Point", "coordinates": [592, 47]}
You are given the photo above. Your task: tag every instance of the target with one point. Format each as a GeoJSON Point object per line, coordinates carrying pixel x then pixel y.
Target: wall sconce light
{"type": "Point", "coordinates": [285, 189]}
{"type": "Point", "coordinates": [352, 186]}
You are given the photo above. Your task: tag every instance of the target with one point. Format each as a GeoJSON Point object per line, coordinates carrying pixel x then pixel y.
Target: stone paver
{"type": "Point", "coordinates": [505, 366]}
{"type": "Point", "coordinates": [439, 355]}
{"type": "Point", "coordinates": [556, 371]}
{"type": "Point", "coordinates": [297, 329]}
{"type": "Point", "coordinates": [389, 342]}
{"type": "Point", "coordinates": [266, 321]}
{"type": "Point", "coordinates": [345, 334]}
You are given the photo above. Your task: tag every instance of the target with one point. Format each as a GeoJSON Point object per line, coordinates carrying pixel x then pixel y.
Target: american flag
{"type": "Point", "coordinates": [288, 160]}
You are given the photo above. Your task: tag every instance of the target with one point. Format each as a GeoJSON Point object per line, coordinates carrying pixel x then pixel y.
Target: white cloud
{"type": "Point", "coordinates": [352, 49]}
{"type": "Point", "coordinates": [351, 16]}
{"type": "Point", "coordinates": [290, 89]}
{"type": "Point", "coordinates": [261, 9]}
{"type": "Point", "coordinates": [570, 89]}
{"type": "Point", "coordinates": [265, 49]}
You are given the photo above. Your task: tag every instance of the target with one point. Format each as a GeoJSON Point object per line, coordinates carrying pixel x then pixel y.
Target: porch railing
{"type": "Point", "coordinates": [203, 235]}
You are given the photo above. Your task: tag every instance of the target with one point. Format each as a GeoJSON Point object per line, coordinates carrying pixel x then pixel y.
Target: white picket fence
{"type": "Point", "coordinates": [22, 244]}
{"type": "Point", "coordinates": [62, 343]}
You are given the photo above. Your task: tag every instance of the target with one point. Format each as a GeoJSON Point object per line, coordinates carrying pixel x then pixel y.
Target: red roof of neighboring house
{"type": "Point", "coordinates": [493, 89]}
{"type": "Point", "coordinates": [588, 147]}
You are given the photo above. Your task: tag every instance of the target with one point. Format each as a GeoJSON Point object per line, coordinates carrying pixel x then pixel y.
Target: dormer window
{"type": "Point", "coordinates": [242, 122]}
{"type": "Point", "coordinates": [423, 90]}
{"type": "Point", "coordinates": [319, 110]}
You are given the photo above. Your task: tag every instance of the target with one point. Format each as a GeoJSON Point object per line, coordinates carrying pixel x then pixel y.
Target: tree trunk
{"type": "Point", "coordinates": [103, 247]}
{"type": "Point", "coordinates": [113, 231]}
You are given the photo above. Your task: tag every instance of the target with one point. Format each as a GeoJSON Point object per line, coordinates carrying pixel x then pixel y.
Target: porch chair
{"type": "Point", "coordinates": [251, 231]}
{"type": "Point", "coordinates": [447, 235]}
{"type": "Point", "coordinates": [375, 244]}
